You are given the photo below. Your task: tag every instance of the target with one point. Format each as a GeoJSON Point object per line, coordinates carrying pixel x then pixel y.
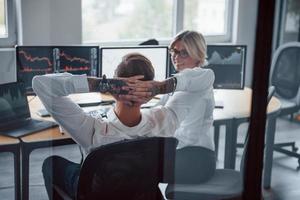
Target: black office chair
{"type": "Point", "coordinates": [225, 183]}
{"type": "Point", "coordinates": [150, 42]}
{"type": "Point", "coordinates": [285, 76]}
{"type": "Point", "coordinates": [130, 169]}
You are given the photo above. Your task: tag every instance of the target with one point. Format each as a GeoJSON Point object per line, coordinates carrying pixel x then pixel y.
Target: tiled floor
{"type": "Point", "coordinates": [285, 177]}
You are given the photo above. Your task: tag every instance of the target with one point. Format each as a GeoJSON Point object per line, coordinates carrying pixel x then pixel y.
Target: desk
{"type": "Point", "coordinates": [46, 138]}
{"type": "Point", "coordinates": [237, 104]}
{"type": "Point", "coordinates": [12, 145]}
{"type": "Point", "coordinates": [237, 108]}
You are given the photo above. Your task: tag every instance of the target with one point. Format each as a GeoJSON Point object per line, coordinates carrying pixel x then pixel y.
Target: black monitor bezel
{"type": "Point", "coordinates": [136, 47]}
{"type": "Point", "coordinates": [242, 86]}
{"type": "Point", "coordinates": [52, 47]}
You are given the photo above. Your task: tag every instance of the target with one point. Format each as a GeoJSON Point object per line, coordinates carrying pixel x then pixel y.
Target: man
{"type": "Point", "coordinates": [133, 87]}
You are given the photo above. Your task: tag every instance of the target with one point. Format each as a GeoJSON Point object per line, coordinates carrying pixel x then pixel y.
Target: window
{"type": "Point", "coordinates": [3, 27]}
{"type": "Point", "coordinates": [7, 23]}
{"type": "Point", "coordinates": [210, 17]}
{"type": "Point", "coordinates": [109, 20]}
{"type": "Point", "coordinates": [290, 21]}
{"type": "Point", "coordinates": [138, 20]}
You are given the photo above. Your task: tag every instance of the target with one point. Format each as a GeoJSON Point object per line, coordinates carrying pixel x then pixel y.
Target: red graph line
{"type": "Point", "coordinates": [82, 68]}
{"type": "Point", "coordinates": [30, 58]}
{"type": "Point", "coordinates": [30, 69]}
{"type": "Point", "coordinates": [72, 59]}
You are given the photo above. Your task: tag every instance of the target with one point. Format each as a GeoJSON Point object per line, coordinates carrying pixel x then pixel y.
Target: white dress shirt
{"type": "Point", "coordinates": [89, 132]}
{"type": "Point", "coordinates": [196, 129]}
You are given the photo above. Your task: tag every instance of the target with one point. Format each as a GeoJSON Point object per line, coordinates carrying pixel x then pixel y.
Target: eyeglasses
{"type": "Point", "coordinates": [182, 53]}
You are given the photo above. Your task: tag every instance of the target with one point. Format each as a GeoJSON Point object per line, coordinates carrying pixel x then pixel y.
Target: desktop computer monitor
{"type": "Point", "coordinates": [228, 63]}
{"type": "Point", "coordinates": [38, 60]}
{"type": "Point", "coordinates": [31, 61]}
{"type": "Point", "coordinates": [112, 56]}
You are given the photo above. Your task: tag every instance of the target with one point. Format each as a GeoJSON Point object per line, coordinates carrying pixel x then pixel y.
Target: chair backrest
{"type": "Point", "coordinates": [150, 42]}
{"type": "Point", "coordinates": [130, 169]}
{"type": "Point", "coordinates": [285, 70]}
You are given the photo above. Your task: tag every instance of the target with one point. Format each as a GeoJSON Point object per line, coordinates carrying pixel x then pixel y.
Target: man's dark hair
{"type": "Point", "coordinates": [135, 64]}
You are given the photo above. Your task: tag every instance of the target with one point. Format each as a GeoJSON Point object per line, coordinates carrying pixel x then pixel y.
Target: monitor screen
{"type": "Point", "coordinates": [76, 59]}
{"type": "Point", "coordinates": [228, 63]}
{"type": "Point", "coordinates": [13, 103]}
{"type": "Point", "coordinates": [112, 56]}
{"type": "Point", "coordinates": [38, 60]}
{"type": "Point", "coordinates": [33, 61]}
{"type": "Point", "coordinates": [7, 65]}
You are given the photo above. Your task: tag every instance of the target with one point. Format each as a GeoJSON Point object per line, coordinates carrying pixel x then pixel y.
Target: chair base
{"type": "Point", "coordinates": [279, 148]}
{"type": "Point", "coordinates": [292, 153]}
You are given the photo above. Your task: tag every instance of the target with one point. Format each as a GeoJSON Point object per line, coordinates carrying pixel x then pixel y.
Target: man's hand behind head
{"type": "Point", "coordinates": [118, 85]}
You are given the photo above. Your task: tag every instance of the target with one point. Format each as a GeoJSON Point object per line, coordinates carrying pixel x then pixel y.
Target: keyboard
{"type": "Point", "coordinates": [27, 128]}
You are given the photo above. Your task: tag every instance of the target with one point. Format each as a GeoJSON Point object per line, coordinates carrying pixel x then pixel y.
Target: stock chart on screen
{"type": "Point", "coordinates": [228, 63]}
{"type": "Point", "coordinates": [38, 60]}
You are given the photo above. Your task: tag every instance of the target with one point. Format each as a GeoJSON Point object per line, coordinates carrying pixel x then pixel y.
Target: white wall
{"type": "Point", "coordinates": [43, 22]}
{"type": "Point", "coordinates": [245, 32]}
{"type": "Point", "coordinates": [51, 22]}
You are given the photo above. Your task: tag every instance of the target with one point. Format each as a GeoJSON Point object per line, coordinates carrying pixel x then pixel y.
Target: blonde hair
{"type": "Point", "coordinates": [194, 44]}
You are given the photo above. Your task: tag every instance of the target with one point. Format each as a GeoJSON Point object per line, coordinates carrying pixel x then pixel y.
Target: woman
{"type": "Point", "coordinates": [188, 53]}
{"type": "Point", "coordinates": [195, 161]}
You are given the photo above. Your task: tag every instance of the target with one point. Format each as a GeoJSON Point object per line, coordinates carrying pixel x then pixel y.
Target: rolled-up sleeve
{"type": "Point", "coordinates": [52, 90]}
{"type": "Point", "coordinates": [195, 80]}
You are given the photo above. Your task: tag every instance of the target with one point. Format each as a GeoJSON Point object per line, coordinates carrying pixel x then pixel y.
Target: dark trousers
{"type": "Point", "coordinates": [62, 173]}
